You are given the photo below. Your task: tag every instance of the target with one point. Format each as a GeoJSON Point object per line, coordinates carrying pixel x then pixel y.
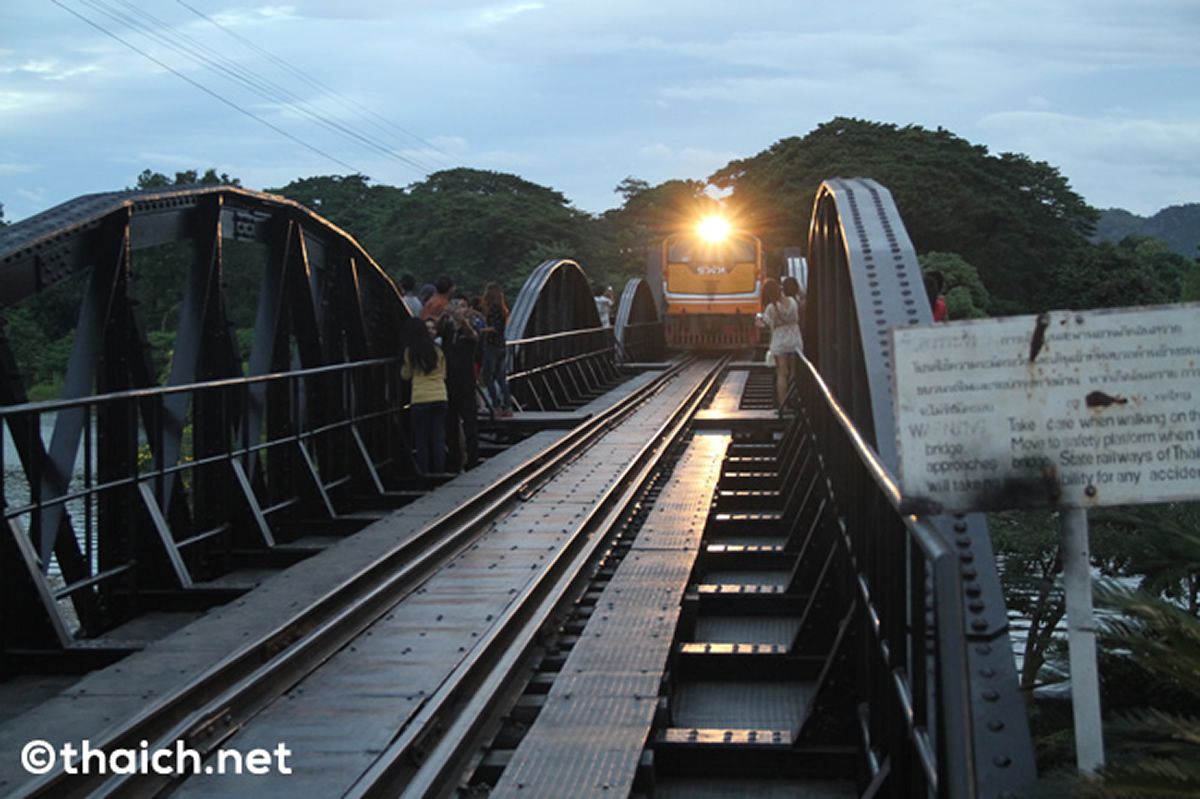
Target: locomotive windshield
{"type": "Point", "coordinates": [698, 252]}
{"type": "Point", "coordinates": [711, 290]}
{"type": "Point", "coordinates": [697, 266]}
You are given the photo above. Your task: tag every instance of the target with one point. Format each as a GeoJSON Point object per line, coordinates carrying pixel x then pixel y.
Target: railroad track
{"type": "Point", "coordinates": [387, 617]}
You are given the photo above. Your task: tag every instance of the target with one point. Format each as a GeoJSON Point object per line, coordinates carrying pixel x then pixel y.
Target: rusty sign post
{"type": "Point", "coordinates": [1067, 409]}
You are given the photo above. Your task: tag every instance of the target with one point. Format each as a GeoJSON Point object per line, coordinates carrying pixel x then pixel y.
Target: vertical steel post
{"type": "Point", "coordinates": [1081, 640]}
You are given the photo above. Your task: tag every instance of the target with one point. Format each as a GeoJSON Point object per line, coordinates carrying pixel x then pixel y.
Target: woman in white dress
{"type": "Point", "coordinates": [781, 315]}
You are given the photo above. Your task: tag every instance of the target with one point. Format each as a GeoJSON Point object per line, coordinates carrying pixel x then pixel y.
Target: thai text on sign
{"type": "Point", "coordinates": [1067, 408]}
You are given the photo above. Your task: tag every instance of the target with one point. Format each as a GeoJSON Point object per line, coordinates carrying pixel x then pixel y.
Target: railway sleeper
{"type": "Point", "coordinates": [747, 754]}
{"type": "Point", "coordinates": [745, 557]}
{"type": "Point", "coordinates": [758, 523]}
{"type": "Point", "coordinates": [747, 661]}
{"type": "Point", "coordinates": [751, 476]}
{"type": "Point", "coordinates": [730, 602]}
{"type": "Point", "coordinates": [751, 453]}
{"type": "Point", "coordinates": [748, 498]}
{"type": "Point", "coordinates": [493, 763]}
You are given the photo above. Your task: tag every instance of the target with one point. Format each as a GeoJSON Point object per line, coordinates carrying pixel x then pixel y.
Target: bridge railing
{"type": "Point", "coordinates": [123, 529]}
{"type": "Point", "coordinates": [906, 581]}
{"type": "Point", "coordinates": [552, 371]}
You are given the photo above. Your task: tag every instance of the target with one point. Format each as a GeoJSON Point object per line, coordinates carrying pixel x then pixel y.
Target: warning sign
{"type": "Point", "coordinates": [1067, 408]}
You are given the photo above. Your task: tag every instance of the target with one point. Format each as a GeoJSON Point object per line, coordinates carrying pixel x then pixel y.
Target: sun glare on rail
{"type": "Point", "coordinates": [713, 228]}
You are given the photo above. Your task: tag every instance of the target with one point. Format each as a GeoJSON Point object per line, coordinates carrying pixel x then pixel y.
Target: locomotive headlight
{"type": "Point", "coordinates": [713, 228]}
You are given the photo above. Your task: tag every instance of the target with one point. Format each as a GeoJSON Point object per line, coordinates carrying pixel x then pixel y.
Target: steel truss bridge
{"type": "Point", "coordinates": [149, 491]}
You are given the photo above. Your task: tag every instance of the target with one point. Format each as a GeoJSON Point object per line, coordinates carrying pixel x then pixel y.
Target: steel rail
{"type": "Point", "coordinates": [487, 679]}
{"type": "Point", "coordinates": [212, 706]}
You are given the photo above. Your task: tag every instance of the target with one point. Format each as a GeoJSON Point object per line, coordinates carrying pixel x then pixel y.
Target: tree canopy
{"type": "Point", "coordinates": [351, 203]}
{"type": "Point", "coordinates": [477, 226]}
{"type": "Point", "coordinates": [150, 179]}
{"type": "Point", "coordinates": [1011, 217]}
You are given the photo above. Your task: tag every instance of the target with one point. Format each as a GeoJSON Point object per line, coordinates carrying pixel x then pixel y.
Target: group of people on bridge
{"type": "Point", "coordinates": [451, 346]}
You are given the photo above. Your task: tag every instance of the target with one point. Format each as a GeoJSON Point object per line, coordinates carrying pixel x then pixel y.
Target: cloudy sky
{"type": "Point", "coordinates": [579, 94]}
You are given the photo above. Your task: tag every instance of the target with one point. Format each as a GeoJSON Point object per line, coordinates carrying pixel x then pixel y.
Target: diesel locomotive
{"type": "Point", "coordinates": [711, 287]}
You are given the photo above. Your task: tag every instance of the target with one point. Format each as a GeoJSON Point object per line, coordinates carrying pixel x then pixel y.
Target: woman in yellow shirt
{"type": "Point", "coordinates": [425, 365]}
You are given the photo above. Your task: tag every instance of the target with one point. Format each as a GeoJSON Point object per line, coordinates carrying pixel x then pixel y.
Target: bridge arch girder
{"type": "Point", "coordinates": [639, 327]}
{"type": "Point", "coordinates": [559, 352]}
{"type": "Point", "coordinates": [864, 279]}
{"type": "Point", "coordinates": [928, 599]}
{"type": "Point", "coordinates": [320, 303]}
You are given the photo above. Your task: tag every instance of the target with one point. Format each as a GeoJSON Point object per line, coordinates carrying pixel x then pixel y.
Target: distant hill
{"type": "Point", "coordinates": [1178, 226]}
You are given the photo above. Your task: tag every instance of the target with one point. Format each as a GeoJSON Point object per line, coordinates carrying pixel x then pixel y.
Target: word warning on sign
{"type": "Point", "coordinates": [1068, 408]}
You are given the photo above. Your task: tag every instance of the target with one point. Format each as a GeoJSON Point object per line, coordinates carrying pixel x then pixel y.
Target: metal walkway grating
{"type": "Point", "coordinates": [588, 738]}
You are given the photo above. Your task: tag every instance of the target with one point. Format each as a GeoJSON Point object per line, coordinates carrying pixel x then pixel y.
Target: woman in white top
{"type": "Point", "coordinates": [781, 315]}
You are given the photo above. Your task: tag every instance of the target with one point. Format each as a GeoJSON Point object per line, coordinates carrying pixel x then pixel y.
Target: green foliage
{"type": "Point", "coordinates": [1150, 646]}
{"type": "Point", "coordinates": [966, 297]}
{"type": "Point", "coordinates": [350, 202]}
{"type": "Point", "coordinates": [477, 226]}
{"type": "Point", "coordinates": [1161, 636]}
{"type": "Point", "coordinates": [1136, 271]}
{"type": "Point", "coordinates": [159, 274]}
{"type": "Point", "coordinates": [1151, 750]}
{"type": "Point", "coordinates": [1160, 544]}
{"type": "Point", "coordinates": [656, 212]}
{"type": "Point", "coordinates": [162, 350]}
{"type": "Point", "coordinates": [620, 239]}
{"type": "Point", "coordinates": [1190, 290]}
{"type": "Point", "coordinates": [42, 352]}
{"type": "Point", "coordinates": [149, 179]}
{"type": "Point", "coordinates": [1009, 216]}
{"type": "Point", "coordinates": [41, 331]}
{"type": "Point", "coordinates": [1027, 548]}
